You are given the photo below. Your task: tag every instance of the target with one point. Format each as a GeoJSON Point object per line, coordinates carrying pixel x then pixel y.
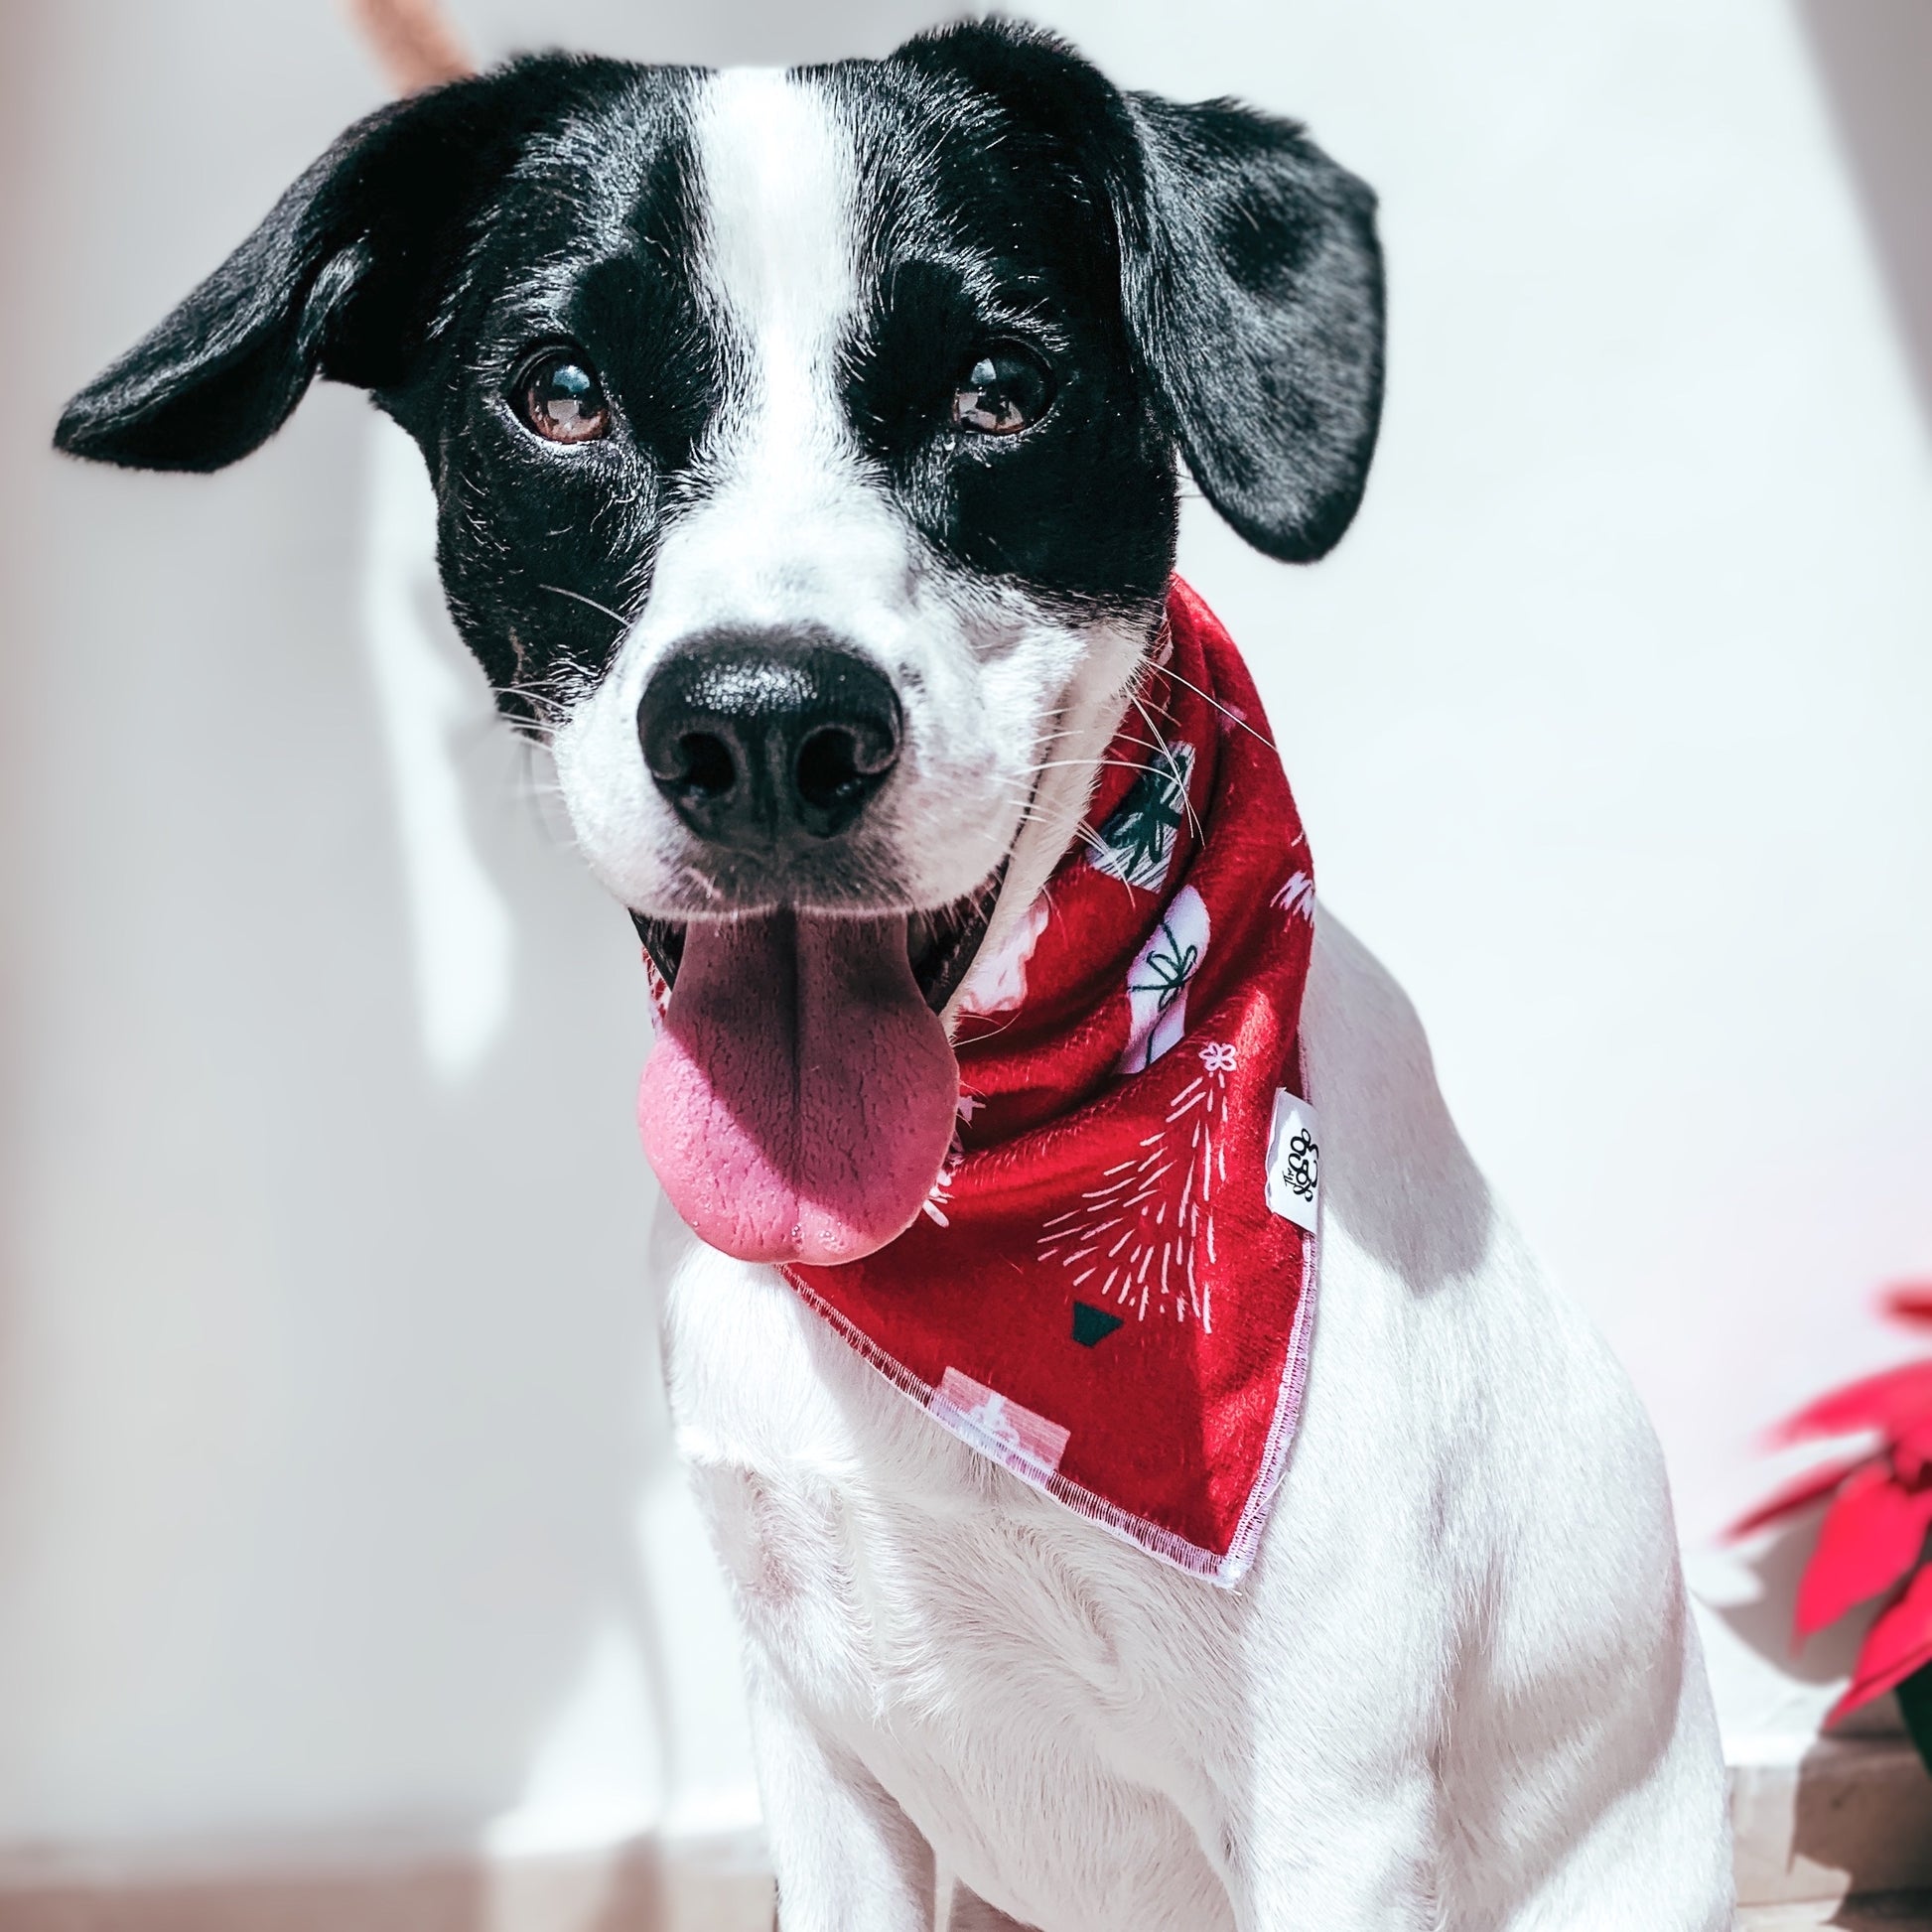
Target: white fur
{"type": "Point", "coordinates": [1461, 1688]}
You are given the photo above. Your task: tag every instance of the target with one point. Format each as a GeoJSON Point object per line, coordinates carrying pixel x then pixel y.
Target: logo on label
{"type": "Point", "coordinates": [1301, 1163]}
{"type": "Point", "coordinates": [1294, 1162]}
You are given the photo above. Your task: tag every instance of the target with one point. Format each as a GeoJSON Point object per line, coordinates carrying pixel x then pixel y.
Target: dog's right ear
{"type": "Point", "coordinates": [1250, 275]}
{"type": "Point", "coordinates": [343, 279]}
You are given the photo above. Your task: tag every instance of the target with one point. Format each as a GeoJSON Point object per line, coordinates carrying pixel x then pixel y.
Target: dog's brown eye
{"type": "Point", "coordinates": [1004, 390]}
{"type": "Point", "coordinates": [563, 401]}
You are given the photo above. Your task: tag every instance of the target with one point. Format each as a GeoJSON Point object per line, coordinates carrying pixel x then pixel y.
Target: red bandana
{"type": "Point", "coordinates": [1110, 1291]}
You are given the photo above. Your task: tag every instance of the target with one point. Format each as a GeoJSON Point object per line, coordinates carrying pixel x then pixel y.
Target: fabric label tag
{"type": "Point", "coordinates": [1027, 1444]}
{"type": "Point", "coordinates": [1294, 1162]}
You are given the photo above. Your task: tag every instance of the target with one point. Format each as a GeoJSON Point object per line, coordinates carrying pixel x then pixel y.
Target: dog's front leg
{"type": "Point", "coordinates": [847, 1858]}
{"type": "Point", "coordinates": [1319, 1860]}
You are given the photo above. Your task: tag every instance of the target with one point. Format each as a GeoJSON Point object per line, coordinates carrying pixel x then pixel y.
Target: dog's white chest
{"type": "Point", "coordinates": [1004, 1671]}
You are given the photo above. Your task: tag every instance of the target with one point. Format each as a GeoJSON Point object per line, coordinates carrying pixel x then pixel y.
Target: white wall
{"type": "Point", "coordinates": [333, 1487]}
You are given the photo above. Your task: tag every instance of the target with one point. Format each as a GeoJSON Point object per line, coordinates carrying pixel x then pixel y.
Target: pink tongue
{"type": "Point", "coordinates": [801, 1094]}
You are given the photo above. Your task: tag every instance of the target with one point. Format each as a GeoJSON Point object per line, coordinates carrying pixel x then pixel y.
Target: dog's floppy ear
{"type": "Point", "coordinates": [1252, 284]}
{"type": "Point", "coordinates": [1250, 276]}
{"type": "Point", "coordinates": [343, 280]}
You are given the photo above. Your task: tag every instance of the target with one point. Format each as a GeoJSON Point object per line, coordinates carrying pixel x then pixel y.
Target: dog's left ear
{"type": "Point", "coordinates": [1252, 285]}
{"type": "Point", "coordinates": [343, 279]}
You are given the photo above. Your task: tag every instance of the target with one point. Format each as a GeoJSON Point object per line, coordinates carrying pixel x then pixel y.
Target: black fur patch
{"type": "Point", "coordinates": [1248, 275]}
{"type": "Point", "coordinates": [986, 227]}
{"type": "Point", "coordinates": [546, 551]}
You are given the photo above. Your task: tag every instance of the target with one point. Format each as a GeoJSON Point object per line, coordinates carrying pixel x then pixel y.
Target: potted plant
{"type": "Point", "coordinates": [1872, 1540]}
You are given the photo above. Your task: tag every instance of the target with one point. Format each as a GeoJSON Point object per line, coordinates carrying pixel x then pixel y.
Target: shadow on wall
{"type": "Point", "coordinates": [1874, 59]}
{"type": "Point", "coordinates": [1765, 1622]}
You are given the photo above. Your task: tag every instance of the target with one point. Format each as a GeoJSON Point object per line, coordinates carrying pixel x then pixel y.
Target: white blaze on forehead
{"type": "Point", "coordinates": [786, 529]}
{"type": "Point", "coordinates": [777, 174]}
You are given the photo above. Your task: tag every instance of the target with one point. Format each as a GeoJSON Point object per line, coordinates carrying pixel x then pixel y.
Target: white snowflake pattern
{"type": "Point", "coordinates": [1296, 897]}
{"type": "Point", "coordinates": [1136, 1237]}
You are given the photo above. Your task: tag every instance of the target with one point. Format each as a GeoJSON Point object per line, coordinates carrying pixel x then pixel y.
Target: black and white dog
{"type": "Point", "coordinates": [879, 372]}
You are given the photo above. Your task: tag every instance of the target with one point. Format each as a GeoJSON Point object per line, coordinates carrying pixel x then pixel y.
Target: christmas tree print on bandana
{"type": "Point", "coordinates": [1098, 1297]}
{"type": "Point", "coordinates": [1138, 1232]}
{"type": "Point", "coordinates": [1137, 840]}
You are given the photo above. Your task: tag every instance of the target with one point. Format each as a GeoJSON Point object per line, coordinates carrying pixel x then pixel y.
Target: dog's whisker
{"type": "Point", "coordinates": [577, 597]}
{"type": "Point", "coordinates": [1168, 755]}
{"type": "Point", "coordinates": [1080, 765]}
{"type": "Point", "coordinates": [1233, 716]}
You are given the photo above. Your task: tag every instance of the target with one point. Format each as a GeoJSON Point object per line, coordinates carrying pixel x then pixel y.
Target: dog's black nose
{"type": "Point", "coordinates": [759, 738]}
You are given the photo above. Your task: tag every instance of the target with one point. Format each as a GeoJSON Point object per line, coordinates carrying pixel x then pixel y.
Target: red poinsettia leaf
{"type": "Point", "coordinates": [1891, 1402]}
{"type": "Point", "coordinates": [1912, 1454]}
{"type": "Point", "coordinates": [1910, 1302]}
{"type": "Point", "coordinates": [1799, 1493]}
{"type": "Point", "coordinates": [1873, 1534]}
{"type": "Point", "coordinates": [1898, 1643]}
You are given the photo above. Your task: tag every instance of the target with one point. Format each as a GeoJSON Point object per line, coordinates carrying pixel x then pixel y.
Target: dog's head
{"type": "Point", "coordinates": [806, 443]}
